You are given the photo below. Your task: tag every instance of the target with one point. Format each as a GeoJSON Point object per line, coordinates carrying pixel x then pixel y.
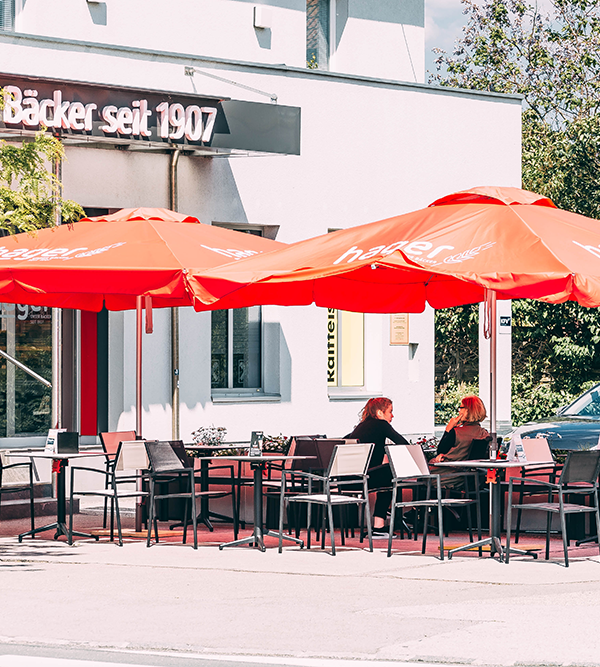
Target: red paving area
{"type": "Point", "coordinates": [92, 523]}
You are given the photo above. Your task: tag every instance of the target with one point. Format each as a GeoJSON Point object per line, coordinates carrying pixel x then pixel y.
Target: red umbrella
{"type": "Point", "coordinates": [111, 260]}
{"type": "Point", "coordinates": [117, 259]}
{"type": "Point", "coordinates": [485, 242]}
{"type": "Point", "coordinates": [508, 240]}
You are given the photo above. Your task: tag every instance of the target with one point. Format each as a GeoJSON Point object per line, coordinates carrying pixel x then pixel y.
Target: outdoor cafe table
{"type": "Point", "coordinates": [495, 503]}
{"type": "Point", "coordinates": [258, 463]}
{"type": "Point", "coordinates": [206, 454]}
{"type": "Point", "coordinates": [59, 464]}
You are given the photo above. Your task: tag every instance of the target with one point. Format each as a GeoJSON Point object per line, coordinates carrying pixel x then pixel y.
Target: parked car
{"type": "Point", "coordinates": [576, 426]}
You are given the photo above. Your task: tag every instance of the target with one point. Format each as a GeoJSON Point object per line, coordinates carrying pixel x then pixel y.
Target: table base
{"type": "Point", "coordinates": [61, 529]}
{"type": "Point", "coordinates": [495, 548]}
{"type": "Point", "coordinates": [256, 539]}
{"type": "Point", "coordinates": [205, 519]}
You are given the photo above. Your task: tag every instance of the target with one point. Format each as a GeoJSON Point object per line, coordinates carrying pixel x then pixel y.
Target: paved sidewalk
{"type": "Point", "coordinates": [356, 605]}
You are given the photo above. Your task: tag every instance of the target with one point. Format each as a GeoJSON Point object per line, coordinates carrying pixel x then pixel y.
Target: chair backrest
{"type": "Point", "coordinates": [536, 449]}
{"type": "Point", "coordinates": [581, 466]}
{"type": "Point", "coordinates": [416, 451]}
{"type": "Point", "coordinates": [179, 449]}
{"type": "Point", "coordinates": [302, 446]}
{"type": "Point", "coordinates": [325, 449]}
{"type": "Point", "coordinates": [110, 440]}
{"type": "Point", "coordinates": [403, 461]}
{"type": "Point", "coordinates": [131, 455]}
{"type": "Point", "coordinates": [350, 460]}
{"type": "Point", "coordinates": [162, 456]}
{"type": "Point", "coordinates": [479, 449]}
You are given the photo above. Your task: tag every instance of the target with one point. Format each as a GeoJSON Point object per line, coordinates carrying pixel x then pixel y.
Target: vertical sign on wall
{"type": "Point", "coordinates": [332, 347]}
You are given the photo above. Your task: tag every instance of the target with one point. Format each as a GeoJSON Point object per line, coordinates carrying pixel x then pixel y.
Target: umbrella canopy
{"type": "Point", "coordinates": [508, 240]}
{"type": "Point", "coordinates": [110, 260]}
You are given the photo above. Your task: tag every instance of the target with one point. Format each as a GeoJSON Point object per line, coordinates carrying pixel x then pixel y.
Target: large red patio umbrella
{"type": "Point", "coordinates": [508, 240]}
{"type": "Point", "coordinates": [116, 260]}
{"type": "Point", "coordinates": [111, 260]}
{"type": "Point", "coordinates": [471, 246]}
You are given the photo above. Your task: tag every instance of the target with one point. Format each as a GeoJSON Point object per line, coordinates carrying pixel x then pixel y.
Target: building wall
{"type": "Point", "coordinates": [370, 149]}
{"type": "Point", "coordinates": [383, 39]}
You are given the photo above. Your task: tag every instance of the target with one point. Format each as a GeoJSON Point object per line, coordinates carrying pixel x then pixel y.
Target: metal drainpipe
{"type": "Point", "coordinates": [174, 313]}
{"type": "Point", "coordinates": [57, 337]}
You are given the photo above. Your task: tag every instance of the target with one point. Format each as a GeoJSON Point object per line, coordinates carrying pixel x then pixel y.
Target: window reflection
{"type": "Point", "coordinates": [26, 335]}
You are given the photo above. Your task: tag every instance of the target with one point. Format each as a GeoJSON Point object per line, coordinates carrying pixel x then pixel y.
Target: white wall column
{"type": "Point", "coordinates": [503, 366]}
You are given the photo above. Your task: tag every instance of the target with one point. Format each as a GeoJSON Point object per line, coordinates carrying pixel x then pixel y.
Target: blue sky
{"type": "Point", "coordinates": [443, 25]}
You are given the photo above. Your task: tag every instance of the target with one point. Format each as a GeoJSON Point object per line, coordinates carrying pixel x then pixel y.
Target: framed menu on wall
{"type": "Point", "coordinates": [399, 329]}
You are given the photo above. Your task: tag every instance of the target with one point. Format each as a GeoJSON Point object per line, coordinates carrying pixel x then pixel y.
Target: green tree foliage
{"type": "Point", "coordinates": [553, 61]}
{"type": "Point", "coordinates": [456, 358]}
{"type": "Point", "coordinates": [29, 191]}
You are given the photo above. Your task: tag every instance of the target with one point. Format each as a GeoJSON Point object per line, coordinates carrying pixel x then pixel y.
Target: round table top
{"type": "Point", "coordinates": [43, 454]}
{"type": "Point", "coordinates": [264, 457]}
{"type": "Point", "coordinates": [216, 448]}
{"type": "Point", "coordinates": [492, 463]}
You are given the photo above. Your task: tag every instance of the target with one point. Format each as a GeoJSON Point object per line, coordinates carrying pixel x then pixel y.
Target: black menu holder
{"type": "Point", "coordinates": [67, 442]}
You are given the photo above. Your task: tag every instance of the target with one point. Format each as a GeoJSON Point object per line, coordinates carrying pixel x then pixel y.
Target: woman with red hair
{"type": "Point", "coordinates": [375, 427]}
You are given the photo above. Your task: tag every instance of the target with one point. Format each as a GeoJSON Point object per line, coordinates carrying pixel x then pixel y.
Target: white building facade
{"type": "Point", "coordinates": [341, 130]}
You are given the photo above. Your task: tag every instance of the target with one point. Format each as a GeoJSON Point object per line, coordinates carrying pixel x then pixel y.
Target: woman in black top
{"type": "Point", "coordinates": [375, 427]}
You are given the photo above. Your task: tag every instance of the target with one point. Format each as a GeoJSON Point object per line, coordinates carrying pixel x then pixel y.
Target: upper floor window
{"type": "Point", "coordinates": [7, 14]}
{"type": "Point", "coordinates": [318, 32]}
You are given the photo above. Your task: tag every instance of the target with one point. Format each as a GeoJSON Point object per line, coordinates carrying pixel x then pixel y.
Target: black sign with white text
{"type": "Point", "coordinates": [72, 109]}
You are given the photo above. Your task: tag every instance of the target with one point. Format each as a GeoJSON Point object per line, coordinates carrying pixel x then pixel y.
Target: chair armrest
{"type": "Point", "coordinates": [16, 465]}
{"type": "Point", "coordinates": [537, 482]}
{"type": "Point", "coordinates": [222, 467]}
{"type": "Point", "coordinates": [175, 471]}
{"type": "Point", "coordinates": [415, 478]}
{"type": "Point", "coordinates": [301, 473]}
{"type": "Point", "coordinates": [96, 470]}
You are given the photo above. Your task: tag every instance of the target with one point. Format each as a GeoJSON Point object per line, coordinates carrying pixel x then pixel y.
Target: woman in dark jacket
{"type": "Point", "coordinates": [375, 427]}
{"type": "Point", "coordinates": [458, 437]}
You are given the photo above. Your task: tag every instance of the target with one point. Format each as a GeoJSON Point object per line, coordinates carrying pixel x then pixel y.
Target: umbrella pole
{"type": "Point", "coordinates": [491, 305]}
{"type": "Point", "coordinates": [56, 368]}
{"type": "Point", "coordinates": [138, 366]}
{"type": "Point", "coordinates": [138, 397]}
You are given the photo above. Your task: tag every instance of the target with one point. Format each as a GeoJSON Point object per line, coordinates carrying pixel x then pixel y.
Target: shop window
{"type": "Point", "coordinates": [7, 14]}
{"type": "Point", "coordinates": [236, 346]}
{"type": "Point", "coordinates": [345, 349]}
{"type": "Point", "coordinates": [318, 33]}
{"type": "Point", "coordinates": [25, 403]}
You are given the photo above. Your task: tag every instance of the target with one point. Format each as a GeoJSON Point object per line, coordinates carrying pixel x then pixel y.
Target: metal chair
{"type": "Point", "coordinates": [348, 465]}
{"type": "Point", "coordinates": [110, 441]}
{"type": "Point", "coordinates": [166, 466]}
{"type": "Point", "coordinates": [534, 450]}
{"type": "Point", "coordinates": [130, 456]}
{"type": "Point", "coordinates": [19, 486]}
{"type": "Point", "coordinates": [409, 466]}
{"type": "Point", "coordinates": [579, 477]}
{"type": "Point", "coordinates": [204, 479]}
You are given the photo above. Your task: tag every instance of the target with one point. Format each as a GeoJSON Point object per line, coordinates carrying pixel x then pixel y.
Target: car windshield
{"type": "Point", "coordinates": [587, 405]}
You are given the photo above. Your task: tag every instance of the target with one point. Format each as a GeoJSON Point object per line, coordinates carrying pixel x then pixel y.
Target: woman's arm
{"type": "Point", "coordinates": [393, 435]}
